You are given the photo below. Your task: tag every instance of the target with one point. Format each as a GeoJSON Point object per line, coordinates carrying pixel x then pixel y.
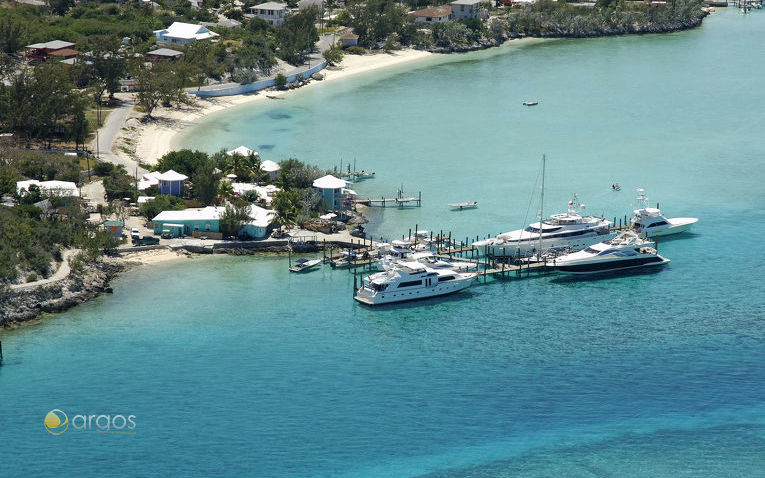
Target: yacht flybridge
{"type": "Point", "coordinates": [625, 251]}
{"type": "Point", "coordinates": [410, 280]}
{"type": "Point", "coordinates": [561, 231]}
{"type": "Point", "coordinates": [649, 222]}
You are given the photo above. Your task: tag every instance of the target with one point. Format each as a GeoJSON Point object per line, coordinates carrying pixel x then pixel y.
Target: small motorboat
{"type": "Point", "coordinates": [459, 206]}
{"type": "Point", "coordinates": [530, 103]}
{"type": "Point", "coordinates": [303, 265]}
{"type": "Point", "coordinates": [616, 187]}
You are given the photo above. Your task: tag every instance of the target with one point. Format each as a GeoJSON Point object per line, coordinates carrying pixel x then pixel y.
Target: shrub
{"type": "Point", "coordinates": [355, 50]}
{"type": "Point", "coordinates": [163, 202]}
{"type": "Point", "coordinates": [280, 81]}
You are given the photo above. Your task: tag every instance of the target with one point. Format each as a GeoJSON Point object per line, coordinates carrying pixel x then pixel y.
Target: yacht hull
{"type": "Point", "coordinates": [390, 297]}
{"type": "Point", "coordinates": [527, 248]}
{"type": "Point", "coordinates": [677, 226]}
{"type": "Point", "coordinates": [595, 267]}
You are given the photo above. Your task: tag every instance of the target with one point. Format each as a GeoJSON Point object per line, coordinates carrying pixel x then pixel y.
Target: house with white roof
{"type": "Point", "coordinates": [271, 168]}
{"type": "Point", "coordinates": [148, 180]}
{"type": "Point", "coordinates": [331, 190]}
{"type": "Point", "coordinates": [180, 33]}
{"type": "Point", "coordinates": [265, 193]}
{"type": "Point", "coordinates": [207, 219]}
{"type": "Point", "coordinates": [272, 12]}
{"type": "Point", "coordinates": [171, 183]}
{"type": "Point", "coordinates": [242, 151]}
{"type": "Point", "coordinates": [49, 188]}
{"type": "Point", "coordinates": [468, 9]}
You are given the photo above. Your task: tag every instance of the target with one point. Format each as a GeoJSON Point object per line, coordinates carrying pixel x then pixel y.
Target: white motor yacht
{"type": "Point", "coordinates": [625, 251]}
{"type": "Point", "coordinates": [569, 230]}
{"type": "Point", "coordinates": [409, 281]}
{"type": "Point", "coordinates": [649, 222]}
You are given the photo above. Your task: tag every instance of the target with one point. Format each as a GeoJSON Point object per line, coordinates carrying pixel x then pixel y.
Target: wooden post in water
{"type": "Point", "coordinates": [416, 229]}
{"type": "Point", "coordinates": [1, 351]}
{"type": "Point", "coordinates": [449, 245]}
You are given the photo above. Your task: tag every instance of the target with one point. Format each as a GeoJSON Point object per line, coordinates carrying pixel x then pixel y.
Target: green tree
{"type": "Point", "coordinates": [184, 161]}
{"type": "Point", "coordinates": [13, 35]}
{"type": "Point", "coordinates": [280, 81]}
{"type": "Point", "coordinates": [297, 37]}
{"type": "Point", "coordinates": [234, 218]}
{"type": "Point", "coordinates": [287, 204]}
{"type": "Point", "coordinates": [374, 20]}
{"type": "Point", "coordinates": [162, 84]}
{"type": "Point", "coordinates": [162, 202]}
{"type": "Point", "coordinates": [206, 183]}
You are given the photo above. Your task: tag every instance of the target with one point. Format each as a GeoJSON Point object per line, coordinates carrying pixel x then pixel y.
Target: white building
{"type": "Point", "coordinates": [272, 12]}
{"type": "Point", "coordinates": [271, 168]}
{"type": "Point", "coordinates": [50, 188]}
{"type": "Point", "coordinates": [148, 180]}
{"type": "Point", "coordinates": [183, 33]}
{"type": "Point", "coordinates": [467, 9]}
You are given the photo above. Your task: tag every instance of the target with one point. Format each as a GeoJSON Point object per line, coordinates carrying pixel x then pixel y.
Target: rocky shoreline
{"type": "Point", "coordinates": [25, 305]}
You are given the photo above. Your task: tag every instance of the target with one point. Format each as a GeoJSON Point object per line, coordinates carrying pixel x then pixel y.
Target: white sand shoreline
{"type": "Point", "coordinates": [154, 139]}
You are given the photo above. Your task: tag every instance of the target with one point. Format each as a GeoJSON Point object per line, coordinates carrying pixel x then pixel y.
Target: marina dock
{"type": "Point", "coordinates": [400, 201]}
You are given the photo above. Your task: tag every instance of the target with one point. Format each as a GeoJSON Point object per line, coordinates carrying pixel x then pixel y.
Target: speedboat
{"type": "Point", "coordinates": [625, 251]}
{"type": "Point", "coordinates": [530, 103]}
{"type": "Point", "coordinates": [304, 265]}
{"type": "Point", "coordinates": [410, 280]}
{"type": "Point", "coordinates": [649, 222]}
{"type": "Point", "coordinates": [566, 230]}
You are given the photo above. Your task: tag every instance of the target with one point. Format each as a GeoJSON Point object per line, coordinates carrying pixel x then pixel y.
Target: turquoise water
{"type": "Point", "coordinates": [232, 366]}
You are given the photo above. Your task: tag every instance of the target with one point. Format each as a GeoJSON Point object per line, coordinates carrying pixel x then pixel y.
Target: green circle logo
{"type": "Point", "coordinates": [56, 422]}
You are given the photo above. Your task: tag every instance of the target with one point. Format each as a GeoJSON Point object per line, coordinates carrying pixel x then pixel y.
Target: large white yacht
{"type": "Point", "coordinates": [560, 231]}
{"type": "Point", "coordinates": [409, 281]}
{"type": "Point", "coordinates": [625, 251]}
{"type": "Point", "coordinates": [649, 222]}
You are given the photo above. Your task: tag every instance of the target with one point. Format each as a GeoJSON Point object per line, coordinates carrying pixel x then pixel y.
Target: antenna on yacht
{"type": "Point", "coordinates": [541, 209]}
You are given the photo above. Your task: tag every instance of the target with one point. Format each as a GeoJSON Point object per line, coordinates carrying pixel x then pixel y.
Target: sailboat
{"type": "Point", "coordinates": [565, 231]}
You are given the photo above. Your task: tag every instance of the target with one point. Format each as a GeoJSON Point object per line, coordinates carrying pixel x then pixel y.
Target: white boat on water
{"type": "Point", "coordinates": [625, 251]}
{"type": "Point", "coordinates": [411, 280]}
{"type": "Point", "coordinates": [459, 206]}
{"type": "Point", "coordinates": [649, 221]}
{"type": "Point", "coordinates": [304, 265]}
{"type": "Point", "coordinates": [568, 230]}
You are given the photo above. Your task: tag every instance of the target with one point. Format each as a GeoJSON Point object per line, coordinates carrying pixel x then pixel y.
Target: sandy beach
{"type": "Point", "coordinates": [154, 139]}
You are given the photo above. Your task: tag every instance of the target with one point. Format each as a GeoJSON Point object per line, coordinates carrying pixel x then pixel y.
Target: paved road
{"type": "Point", "coordinates": [108, 133]}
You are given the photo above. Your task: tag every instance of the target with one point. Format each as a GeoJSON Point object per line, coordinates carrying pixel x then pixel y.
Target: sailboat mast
{"type": "Point", "coordinates": [541, 208]}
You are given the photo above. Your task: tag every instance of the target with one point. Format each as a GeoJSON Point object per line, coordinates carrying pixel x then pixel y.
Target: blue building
{"type": "Point", "coordinates": [171, 183]}
{"type": "Point", "coordinates": [331, 190]}
{"type": "Point", "coordinates": [186, 221]}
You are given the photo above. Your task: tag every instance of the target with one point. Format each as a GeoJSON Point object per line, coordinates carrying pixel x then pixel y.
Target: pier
{"type": "Point", "coordinates": [400, 201]}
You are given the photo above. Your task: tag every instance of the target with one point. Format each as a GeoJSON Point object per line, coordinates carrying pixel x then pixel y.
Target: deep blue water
{"type": "Point", "coordinates": [232, 366]}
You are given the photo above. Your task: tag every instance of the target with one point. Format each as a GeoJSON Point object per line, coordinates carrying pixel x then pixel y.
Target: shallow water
{"type": "Point", "coordinates": [233, 366]}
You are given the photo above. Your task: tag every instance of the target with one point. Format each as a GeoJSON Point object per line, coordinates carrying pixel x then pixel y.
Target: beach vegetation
{"type": "Point", "coordinates": [163, 84]}
{"type": "Point", "coordinates": [184, 161]}
{"type": "Point", "coordinates": [280, 81]}
{"type": "Point", "coordinates": [333, 55]}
